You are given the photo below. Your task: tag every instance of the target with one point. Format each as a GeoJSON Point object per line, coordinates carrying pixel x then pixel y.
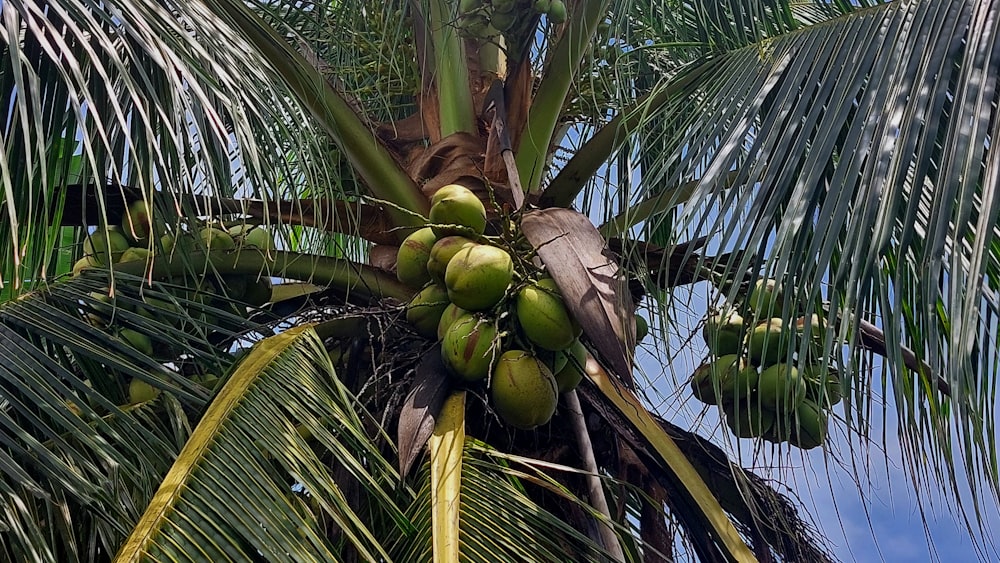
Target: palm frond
{"type": "Point", "coordinates": [863, 177]}
{"type": "Point", "coordinates": [499, 518]}
{"type": "Point", "coordinates": [82, 454]}
{"type": "Point", "coordinates": [171, 102]}
{"type": "Point", "coordinates": [227, 496]}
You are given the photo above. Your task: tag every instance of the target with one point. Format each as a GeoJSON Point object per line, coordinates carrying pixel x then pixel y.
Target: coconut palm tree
{"type": "Point", "coordinates": [247, 382]}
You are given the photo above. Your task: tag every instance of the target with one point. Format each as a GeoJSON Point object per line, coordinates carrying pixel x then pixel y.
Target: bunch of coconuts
{"type": "Point", "coordinates": [498, 320]}
{"type": "Point", "coordinates": [747, 375]}
{"type": "Point", "coordinates": [485, 19]}
{"type": "Point", "coordinates": [139, 238]}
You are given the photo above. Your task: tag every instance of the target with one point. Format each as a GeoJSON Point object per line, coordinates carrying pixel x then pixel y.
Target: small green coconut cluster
{"type": "Point", "coordinates": [139, 238]}
{"type": "Point", "coordinates": [762, 391]}
{"type": "Point", "coordinates": [498, 318]}
{"type": "Point", "coordinates": [485, 19]}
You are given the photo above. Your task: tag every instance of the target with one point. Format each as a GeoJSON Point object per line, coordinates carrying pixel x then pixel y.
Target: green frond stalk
{"type": "Point", "coordinates": [451, 70]}
{"type": "Point", "coordinates": [547, 105]}
{"type": "Point", "coordinates": [320, 270]}
{"type": "Point", "coordinates": [586, 161]}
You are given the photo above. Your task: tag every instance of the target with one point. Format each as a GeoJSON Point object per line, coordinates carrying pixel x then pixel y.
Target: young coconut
{"type": "Point", "coordinates": [216, 239]}
{"type": "Point", "coordinates": [441, 253]}
{"type": "Point", "coordinates": [747, 420]}
{"type": "Point", "coordinates": [724, 333]}
{"type": "Point", "coordinates": [766, 298]}
{"type": "Point", "coordinates": [470, 346]}
{"type": "Point", "coordinates": [137, 340]}
{"type": "Point", "coordinates": [451, 314]}
{"type": "Point", "coordinates": [141, 392]}
{"type": "Point", "coordinates": [411, 260]}
{"type": "Point", "coordinates": [101, 244]}
{"type": "Point", "coordinates": [85, 263]}
{"type": "Point", "coordinates": [768, 343]}
{"type": "Point", "coordinates": [137, 221]}
{"type": "Point", "coordinates": [477, 277]}
{"type": "Point", "coordinates": [543, 316]}
{"type": "Point", "coordinates": [136, 254]}
{"type": "Point", "coordinates": [574, 369]}
{"type": "Point", "coordinates": [781, 388]}
{"type": "Point", "coordinates": [524, 392]}
{"type": "Point", "coordinates": [809, 430]}
{"type": "Point", "coordinates": [260, 238]}
{"type": "Point", "coordinates": [456, 210]}
{"type": "Point", "coordinates": [425, 309]}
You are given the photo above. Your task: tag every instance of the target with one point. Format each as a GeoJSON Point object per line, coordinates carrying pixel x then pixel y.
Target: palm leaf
{"type": "Point", "coordinates": [226, 496]}
{"type": "Point", "coordinates": [81, 460]}
{"type": "Point", "coordinates": [499, 519]}
{"type": "Point", "coordinates": [855, 173]}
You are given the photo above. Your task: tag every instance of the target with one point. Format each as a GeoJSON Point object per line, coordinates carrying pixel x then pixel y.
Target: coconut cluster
{"type": "Point", "coordinates": [762, 391]}
{"type": "Point", "coordinates": [498, 318]}
{"type": "Point", "coordinates": [140, 238]}
{"type": "Point", "coordinates": [485, 19]}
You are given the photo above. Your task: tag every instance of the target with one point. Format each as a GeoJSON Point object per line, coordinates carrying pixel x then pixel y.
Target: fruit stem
{"type": "Point", "coordinates": [595, 489]}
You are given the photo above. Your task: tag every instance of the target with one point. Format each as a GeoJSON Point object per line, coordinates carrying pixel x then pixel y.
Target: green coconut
{"type": "Point", "coordinates": [216, 239]}
{"type": "Point", "coordinates": [747, 420]}
{"type": "Point", "coordinates": [451, 314]}
{"type": "Point", "coordinates": [456, 210]}
{"type": "Point", "coordinates": [766, 298]}
{"type": "Point", "coordinates": [724, 333]}
{"type": "Point", "coordinates": [140, 391]}
{"type": "Point", "coordinates": [102, 243]}
{"type": "Point", "coordinates": [524, 392]}
{"type": "Point", "coordinates": [575, 368]}
{"type": "Point", "coordinates": [259, 237]}
{"type": "Point", "coordinates": [470, 346]}
{"type": "Point", "coordinates": [702, 386]}
{"type": "Point", "coordinates": [822, 386]}
{"type": "Point", "coordinates": [557, 12]}
{"type": "Point", "coordinates": [136, 254]}
{"type": "Point", "coordinates": [477, 277]}
{"type": "Point", "coordinates": [442, 252]}
{"type": "Point", "coordinates": [732, 377]}
{"type": "Point", "coordinates": [543, 316]}
{"type": "Point", "coordinates": [781, 388]}
{"type": "Point", "coordinates": [425, 309]}
{"type": "Point", "coordinates": [412, 257]}
{"type": "Point", "coordinates": [768, 343]}
{"type": "Point", "coordinates": [137, 340]}
{"type": "Point", "coordinates": [810, 428]}
{"type": "Point", "coordinates": [641, 328]}
{"type": "Point", "coordinates": [137, 221]}
{"type": "Point", "coordinates": [85, 263]}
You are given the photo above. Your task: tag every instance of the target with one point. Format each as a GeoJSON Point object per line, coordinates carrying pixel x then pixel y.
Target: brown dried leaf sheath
{"type": "Point", "coordinates": [576, 256]}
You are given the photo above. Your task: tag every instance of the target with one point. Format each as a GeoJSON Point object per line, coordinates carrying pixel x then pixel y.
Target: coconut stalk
{"type": "Point", "coordinates": [446, 447]}
{"type": "Point", "coordinates": [595, 490]}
